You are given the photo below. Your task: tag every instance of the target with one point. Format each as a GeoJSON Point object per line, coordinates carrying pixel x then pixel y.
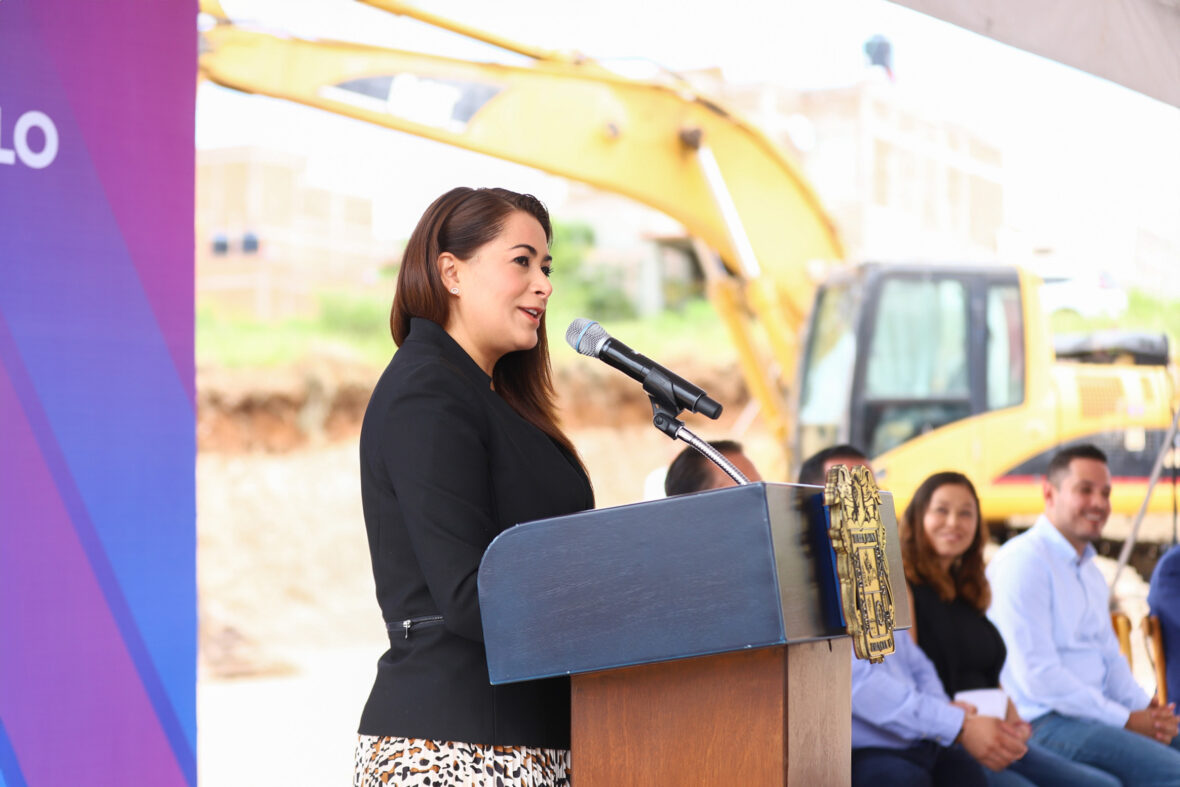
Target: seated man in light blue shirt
{"type": "Point", "coordinates": [906, 731]}
{"type": "Point", "coordinates": [1064, 671]}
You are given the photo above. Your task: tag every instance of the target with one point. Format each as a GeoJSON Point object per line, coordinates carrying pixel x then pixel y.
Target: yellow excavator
{"type": "Point", "coordinates": [925, 367]}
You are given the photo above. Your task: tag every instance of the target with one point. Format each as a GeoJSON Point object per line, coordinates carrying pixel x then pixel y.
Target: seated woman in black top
{"type": "Point", "coordinates": [942, 537]}
{"type": "Point", "coordinates": [459, 442]}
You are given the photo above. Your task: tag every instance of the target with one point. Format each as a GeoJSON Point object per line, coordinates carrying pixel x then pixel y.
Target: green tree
{"type": "Point", "coordinates": [585, 290]}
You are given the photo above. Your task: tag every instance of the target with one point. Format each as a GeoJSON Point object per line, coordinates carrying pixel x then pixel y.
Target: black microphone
{"type": "Point", "coordinates": [590, 338]}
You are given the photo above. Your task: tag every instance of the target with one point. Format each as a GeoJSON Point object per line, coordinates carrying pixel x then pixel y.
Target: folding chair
{"type": "Point", "coordinates": [1122, 630]}
{"type": "Point", "coordinates": [1155, 651]}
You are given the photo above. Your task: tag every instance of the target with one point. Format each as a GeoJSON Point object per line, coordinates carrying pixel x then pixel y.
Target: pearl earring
{"type": "Point", "coordinates": [454, 290]}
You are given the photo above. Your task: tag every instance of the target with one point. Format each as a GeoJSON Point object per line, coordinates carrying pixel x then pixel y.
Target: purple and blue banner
{"type": "Point", "coordinates": [98, 631]}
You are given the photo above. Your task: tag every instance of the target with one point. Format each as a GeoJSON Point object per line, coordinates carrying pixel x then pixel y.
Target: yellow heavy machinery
{"type": "Point", "coordinates": [926, 367]}
{"type": "Point", "coordinates": [953, 367]}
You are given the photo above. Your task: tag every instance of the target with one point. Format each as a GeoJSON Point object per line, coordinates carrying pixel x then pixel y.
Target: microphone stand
{"type": "Point", "coordinates": [664, 417]}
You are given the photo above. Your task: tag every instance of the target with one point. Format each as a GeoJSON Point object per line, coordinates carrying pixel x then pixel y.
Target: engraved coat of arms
{"type": "Point", "coordinates": [858, 539]}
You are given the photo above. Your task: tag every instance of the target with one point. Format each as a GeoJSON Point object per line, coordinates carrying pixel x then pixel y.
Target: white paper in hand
{"type": "Point", "coordinates": [989, 702]}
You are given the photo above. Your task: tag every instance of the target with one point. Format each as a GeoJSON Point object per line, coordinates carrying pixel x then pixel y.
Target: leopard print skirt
{"type": "Point", "coordinates": [386, 760]}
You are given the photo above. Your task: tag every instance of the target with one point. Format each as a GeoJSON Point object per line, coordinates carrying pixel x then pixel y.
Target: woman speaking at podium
{"type": "Point", "coordinates": [460, 441]}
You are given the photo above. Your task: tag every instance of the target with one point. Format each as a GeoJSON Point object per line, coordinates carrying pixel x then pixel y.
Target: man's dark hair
{"type": "Point", "coordinates": [812, 471]}
{"type": "Point", "coordinates": [692, 471]}
{"type": "Point", "coordinates": [1059, 464]}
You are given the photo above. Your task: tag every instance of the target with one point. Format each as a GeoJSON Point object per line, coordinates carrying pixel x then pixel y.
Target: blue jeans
{"type": "Point", "coordinates": [1131, 757]}
{"type": "Point", "coordinates": [1040, 767]}
{"type": "Point", "coordinates": [925, 764]}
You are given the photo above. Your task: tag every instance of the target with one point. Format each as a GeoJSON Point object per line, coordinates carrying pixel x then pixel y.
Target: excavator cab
{"type": "Point", "coordinates": [895, 352]}
{"type": "Point", "coordinates": [937, 367]}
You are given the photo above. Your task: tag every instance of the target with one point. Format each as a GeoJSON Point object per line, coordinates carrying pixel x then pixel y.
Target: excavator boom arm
{"type": "Point", "coordinates": [657, 142]}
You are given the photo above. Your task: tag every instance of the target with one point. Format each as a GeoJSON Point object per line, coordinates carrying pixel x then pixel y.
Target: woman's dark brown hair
{"type": "Point", "coordinates": [966, 579]}
{"type": "Point", "coordinates": [459, 222]}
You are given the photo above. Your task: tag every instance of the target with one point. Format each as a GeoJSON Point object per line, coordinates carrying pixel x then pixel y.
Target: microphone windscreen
{"type": "Point", "coordinates": [586, 336]}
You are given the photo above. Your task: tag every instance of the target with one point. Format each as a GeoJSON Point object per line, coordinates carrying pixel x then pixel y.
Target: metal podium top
{"type": "Point", "coordinates": [727, 569]}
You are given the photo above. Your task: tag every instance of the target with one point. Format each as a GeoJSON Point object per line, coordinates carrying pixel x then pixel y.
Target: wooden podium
{"type": "Point", "coordinates": [703, 635]}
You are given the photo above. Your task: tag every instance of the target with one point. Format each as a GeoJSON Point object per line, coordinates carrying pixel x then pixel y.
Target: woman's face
{"type": "Point", "coordinates": [950, 522]}
{"type": "Point", "coordinates": [503, 290]}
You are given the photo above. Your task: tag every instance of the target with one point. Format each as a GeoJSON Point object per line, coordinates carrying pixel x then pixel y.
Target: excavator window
{"type": "Point", "coordinates": [916, 374]}
{"type": "Point", "coordinates": [918, 346]}
{"type": "Point", "coordinates": [1005, 347]}
{"type": "Point", "coordinates": [828, 369]}
{"type": "Point", "coordinates": [897, 352]}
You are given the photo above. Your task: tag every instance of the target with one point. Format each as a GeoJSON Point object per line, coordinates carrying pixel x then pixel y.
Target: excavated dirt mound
{"type": "Point", "coordinates": [275, 410]}
{"type": "Point", "coordinates": [322, 400]}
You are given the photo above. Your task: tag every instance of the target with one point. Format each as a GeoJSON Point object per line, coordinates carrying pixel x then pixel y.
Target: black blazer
{"type": "Point", "coordinates": [446, 465]}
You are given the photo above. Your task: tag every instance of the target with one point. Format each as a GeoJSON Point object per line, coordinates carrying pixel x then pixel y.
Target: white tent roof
{"type": "Point", "coordinates": [1135, 43]}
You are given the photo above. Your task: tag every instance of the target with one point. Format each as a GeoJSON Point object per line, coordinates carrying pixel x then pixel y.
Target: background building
{"type": "Point", "coordinates": [268, 241]}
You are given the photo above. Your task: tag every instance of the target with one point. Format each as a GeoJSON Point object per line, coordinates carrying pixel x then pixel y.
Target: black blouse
{"type": "Point", "coordinates": [966, 648]}
{"type": "Point", "coordinates": [446, 465]}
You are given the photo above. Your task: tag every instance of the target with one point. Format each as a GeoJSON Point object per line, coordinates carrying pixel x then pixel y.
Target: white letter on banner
{"type": "Point", "coordinates": [6, 156]}
{"type": "Point", "coordinates": [21, 139]}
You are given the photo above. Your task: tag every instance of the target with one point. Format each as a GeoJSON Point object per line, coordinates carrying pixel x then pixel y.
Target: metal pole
{"type": "Point", "coordinates": [1125, 554]}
